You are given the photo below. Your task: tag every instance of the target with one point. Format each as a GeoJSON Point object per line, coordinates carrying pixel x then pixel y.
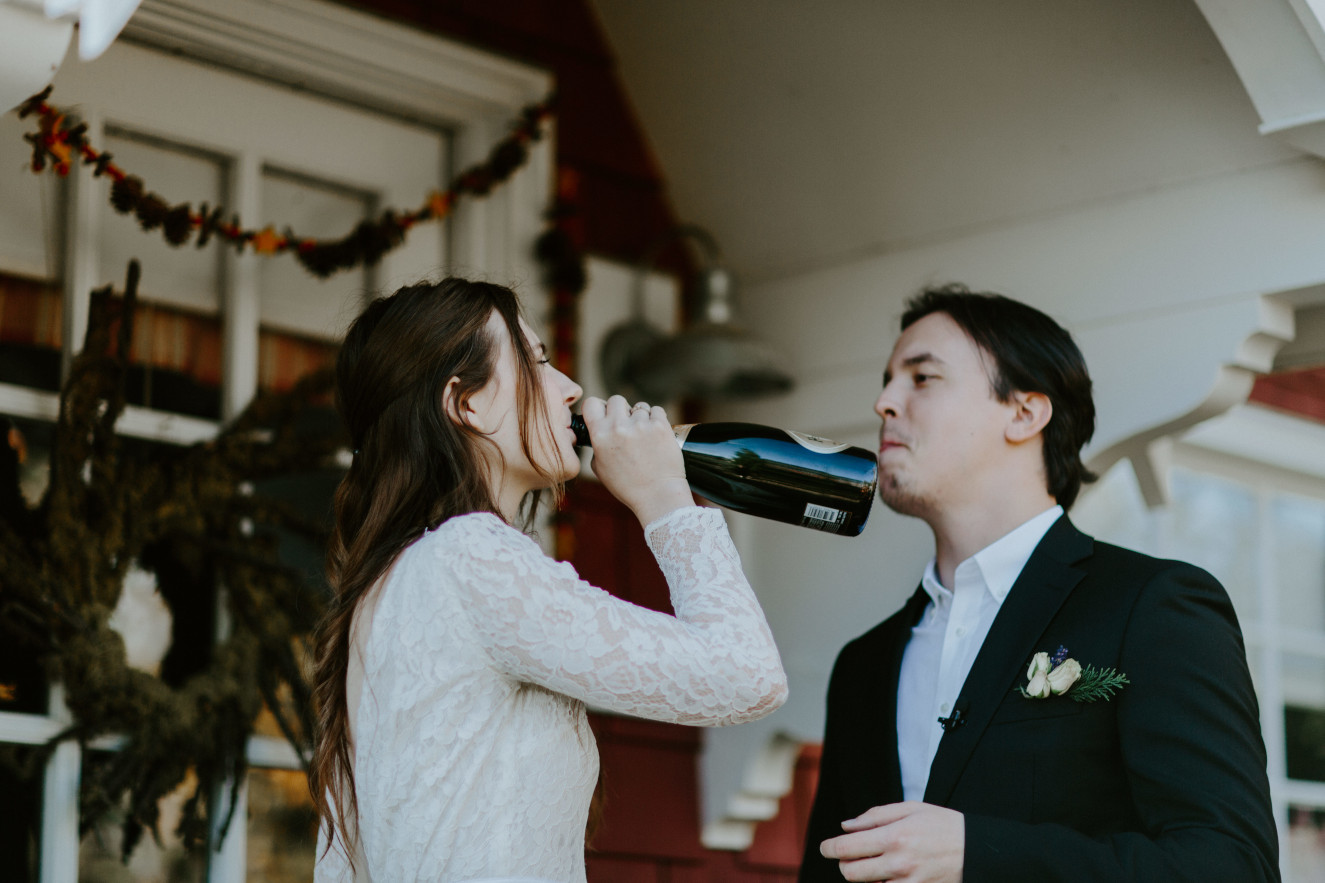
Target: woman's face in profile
{"type": "Point", "coordinates": [499, 414]}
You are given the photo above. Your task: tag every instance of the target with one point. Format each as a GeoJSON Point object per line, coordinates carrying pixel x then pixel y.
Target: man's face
{"type": "Point", "coordinates": [942, 427]}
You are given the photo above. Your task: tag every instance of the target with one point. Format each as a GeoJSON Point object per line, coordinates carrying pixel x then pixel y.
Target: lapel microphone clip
{"type": "Point", "coordinates": [956, 720]}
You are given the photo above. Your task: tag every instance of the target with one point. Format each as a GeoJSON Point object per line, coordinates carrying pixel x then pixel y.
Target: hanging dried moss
{"type": "Point", "coordinates": [63, 564]}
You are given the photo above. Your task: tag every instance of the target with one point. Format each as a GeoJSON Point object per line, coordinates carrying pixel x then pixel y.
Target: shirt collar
{"type": "Point", "coordinates": [1001, 562]}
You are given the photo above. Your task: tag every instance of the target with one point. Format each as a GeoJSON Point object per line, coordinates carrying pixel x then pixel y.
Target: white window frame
{"type": "Point", "coordinates": [351, 57]}
{"type": "Point", "coordinates": [1250, 447]}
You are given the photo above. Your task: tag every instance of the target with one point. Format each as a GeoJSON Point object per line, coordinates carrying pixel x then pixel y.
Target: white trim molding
{"type": "Point", "coordinates": [343, 54]}
{"type": "Point", "coordinates": [391, 69]}
{"type": "Point", "coordinates": [1147, 450]}
{"type": "Point", "coordinates": [1278, 49]}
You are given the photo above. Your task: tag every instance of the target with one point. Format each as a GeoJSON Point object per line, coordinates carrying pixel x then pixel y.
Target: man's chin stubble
{"type": "Point", "coordinates": [901, 500]}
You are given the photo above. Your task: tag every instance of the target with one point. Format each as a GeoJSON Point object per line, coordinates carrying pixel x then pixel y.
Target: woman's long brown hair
{"type": "Point", "coordinates": [414, 466]}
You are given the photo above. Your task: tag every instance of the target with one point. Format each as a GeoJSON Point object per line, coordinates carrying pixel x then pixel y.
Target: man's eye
{"type": "Point", "coordinates": [921, 378]}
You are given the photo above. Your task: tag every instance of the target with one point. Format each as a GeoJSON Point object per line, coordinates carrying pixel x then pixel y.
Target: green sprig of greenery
{"type": "Point", "coordinates": [1097, 683]}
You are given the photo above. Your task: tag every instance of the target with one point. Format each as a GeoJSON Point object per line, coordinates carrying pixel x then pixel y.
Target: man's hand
{"type": "Point", "coordinates": [913, 842]}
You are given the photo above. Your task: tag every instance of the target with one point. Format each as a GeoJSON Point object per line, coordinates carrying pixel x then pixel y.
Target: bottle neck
{"type": "Point", "coordinates": [582, 432]}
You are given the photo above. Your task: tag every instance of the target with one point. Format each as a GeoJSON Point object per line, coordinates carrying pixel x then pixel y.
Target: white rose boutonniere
{"type": "Point", "coordinates": [1037, 677]}
{"type": "Point", "coordinates": [1059, 675]}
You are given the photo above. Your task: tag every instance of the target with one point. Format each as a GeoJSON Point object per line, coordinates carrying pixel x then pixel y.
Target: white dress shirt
{"type": "Point", "coordinates": [945, 641]}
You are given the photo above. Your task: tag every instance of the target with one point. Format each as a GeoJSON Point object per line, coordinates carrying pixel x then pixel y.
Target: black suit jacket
{"type": "Point", "coordinates": [1164, 782]}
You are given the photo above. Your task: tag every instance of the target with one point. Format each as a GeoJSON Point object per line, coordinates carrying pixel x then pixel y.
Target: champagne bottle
{"type": "Point", "coordinates": [775, 473]}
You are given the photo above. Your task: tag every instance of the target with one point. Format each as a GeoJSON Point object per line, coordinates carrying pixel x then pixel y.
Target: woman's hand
{"type": "Point", "coordinates": [636, 456]}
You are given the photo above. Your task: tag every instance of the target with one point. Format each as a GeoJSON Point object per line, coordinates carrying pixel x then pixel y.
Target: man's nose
{"type": "Point", "coordinates": [885, 405]}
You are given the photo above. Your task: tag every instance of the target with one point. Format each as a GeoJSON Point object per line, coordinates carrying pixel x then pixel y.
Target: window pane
{"type": "Point", "coordinates": [292, 299]}
{"type": "Point", "coordinates": [25, 447]}
{"type": "Point", "coordinates": [1306, 844]}
{"type": "Point", "coordinates": [1214, 525]}
{"type": "Point", "coordinates": [1304, 716]}
{"type": "Point", "coordinates": [30, 205]}
{"type": "Point", "coordinates": [183, 276]}
{"type": "Point", "coordinates": [309, 494]}
{"type": "Point", "coordinates": [284, 358]}
{"type": "Point", "coordinates": [1304, 733]}
{"type": "Point", "coordinates": [30, 332]}
{"type": "Point", "coordinates": [1298, 528]}
{"type": "Point", "coordinates": [99, 855]}
{"type": "Point", "coordinates": [20, 818]}
{"type": "Point", "coordinates": [175, 361]}
{"type": "Point", "coordinates": [282, 827]}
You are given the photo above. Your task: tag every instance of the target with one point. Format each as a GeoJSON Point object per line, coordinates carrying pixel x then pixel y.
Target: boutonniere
{"type": "Point", "coordinates": [1058, 676]}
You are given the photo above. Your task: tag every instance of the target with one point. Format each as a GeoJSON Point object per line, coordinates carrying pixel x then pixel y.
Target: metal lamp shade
{"type": "Point", "coordinates": [713, 359]}
{"type": "Point", "coordinates": [709, 361]}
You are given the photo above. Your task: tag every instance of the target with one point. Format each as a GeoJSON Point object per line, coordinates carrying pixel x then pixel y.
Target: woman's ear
{"type": "Point", "coordinates": [1030, 416]}
{"type": "Point", "coordinates": [460, 412]}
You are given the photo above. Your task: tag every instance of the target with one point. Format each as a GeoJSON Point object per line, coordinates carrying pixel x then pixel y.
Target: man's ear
{"type": "Point", "coordinates": [1030, 416]}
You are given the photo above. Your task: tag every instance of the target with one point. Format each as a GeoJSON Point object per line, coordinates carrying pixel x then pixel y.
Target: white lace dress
{"type": "Point", "coordinates": [473, 756]}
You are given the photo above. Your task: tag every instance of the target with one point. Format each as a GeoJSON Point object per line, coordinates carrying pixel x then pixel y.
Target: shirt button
{"type": "Point", "coordinates": [944, 708]}
{"type": "Point", "coordinates": [961, 631]}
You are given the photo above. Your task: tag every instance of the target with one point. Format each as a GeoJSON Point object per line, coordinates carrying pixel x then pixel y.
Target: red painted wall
{"type": "Point", "coordinates": [651, 819]}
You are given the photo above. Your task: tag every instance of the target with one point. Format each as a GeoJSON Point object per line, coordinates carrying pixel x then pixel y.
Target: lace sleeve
{"type": "Point", "coordinates": [713, 663]}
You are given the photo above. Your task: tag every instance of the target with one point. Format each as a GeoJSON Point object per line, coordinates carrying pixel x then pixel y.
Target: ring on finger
{"type": "Point", "coordinates": [639, 406]}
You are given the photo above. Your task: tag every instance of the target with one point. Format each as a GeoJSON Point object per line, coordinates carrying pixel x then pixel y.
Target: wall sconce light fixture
{"type": "Point", "coordinates": [711, 359]}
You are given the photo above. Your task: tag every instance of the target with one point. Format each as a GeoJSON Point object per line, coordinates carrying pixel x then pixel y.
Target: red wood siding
{"type": "Point", "coordinates": [1297, 392]}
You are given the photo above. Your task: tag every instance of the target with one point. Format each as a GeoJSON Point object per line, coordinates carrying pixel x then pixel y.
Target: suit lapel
{"type": "Point", "coordinates": [1045, 582]}
{"type": "Point", "coordinates": [881, 729]}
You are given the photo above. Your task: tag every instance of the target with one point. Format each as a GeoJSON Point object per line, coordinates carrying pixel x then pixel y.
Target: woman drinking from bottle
{"type": "Point", "coordinates": [457, 658]}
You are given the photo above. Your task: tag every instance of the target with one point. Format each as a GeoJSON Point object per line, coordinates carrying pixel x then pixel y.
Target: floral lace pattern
{"type": "Point", "coordinates": [473, 754]}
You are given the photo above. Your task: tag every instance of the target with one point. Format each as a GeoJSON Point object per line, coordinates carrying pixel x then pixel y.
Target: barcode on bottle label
{"type": "Point", "coordinates": [822, 517]}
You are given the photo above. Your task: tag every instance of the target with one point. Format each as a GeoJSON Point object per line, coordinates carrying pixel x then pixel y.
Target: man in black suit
{"type": "Point", "coordinates": [1045, 707]}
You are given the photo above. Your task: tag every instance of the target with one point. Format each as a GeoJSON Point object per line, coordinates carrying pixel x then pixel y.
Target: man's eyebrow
{"type": "Point", "coordinates": [913, 361]}
{"type": "Point", "coordinates": [920, 359]}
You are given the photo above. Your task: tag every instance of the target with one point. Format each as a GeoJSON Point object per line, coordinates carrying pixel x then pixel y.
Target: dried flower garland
{"type": "Point", "coordinates": [65, 561]}
{"type": "Point", "coordinates": [58, 145]}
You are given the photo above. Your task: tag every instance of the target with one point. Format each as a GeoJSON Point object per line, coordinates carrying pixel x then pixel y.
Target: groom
{"type": "Point", "coordinates": [960, 745]}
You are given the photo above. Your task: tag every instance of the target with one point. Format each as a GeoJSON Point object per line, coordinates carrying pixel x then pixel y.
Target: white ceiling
{"type": "Point", "coordinates": [808, 134]}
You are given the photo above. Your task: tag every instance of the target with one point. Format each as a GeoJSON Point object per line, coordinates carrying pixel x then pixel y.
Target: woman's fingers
{"type": "Point", "coordinates": [637, 458]}
{"type": "Point", "coordinates": [593, 409]}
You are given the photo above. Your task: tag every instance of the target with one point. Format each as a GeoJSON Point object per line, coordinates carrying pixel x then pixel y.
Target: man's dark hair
{"type": "Point", "coordinates": [1031, 353]}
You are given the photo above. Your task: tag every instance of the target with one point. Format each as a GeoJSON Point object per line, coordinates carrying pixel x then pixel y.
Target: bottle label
{"type": "Point", "coordinates": [682, 431]}
{"type": "Point", "coordinates": [823, 517]}
{"type": "Point", "coordinates": [816, 443]}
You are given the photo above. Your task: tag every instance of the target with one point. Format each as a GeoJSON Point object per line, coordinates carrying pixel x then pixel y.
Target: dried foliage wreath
{"type": "Point", "coordinates": [64, 563]}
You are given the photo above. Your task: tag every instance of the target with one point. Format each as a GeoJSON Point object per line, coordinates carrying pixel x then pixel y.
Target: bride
{"type": "Point", "coordinates": [457, 658]}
